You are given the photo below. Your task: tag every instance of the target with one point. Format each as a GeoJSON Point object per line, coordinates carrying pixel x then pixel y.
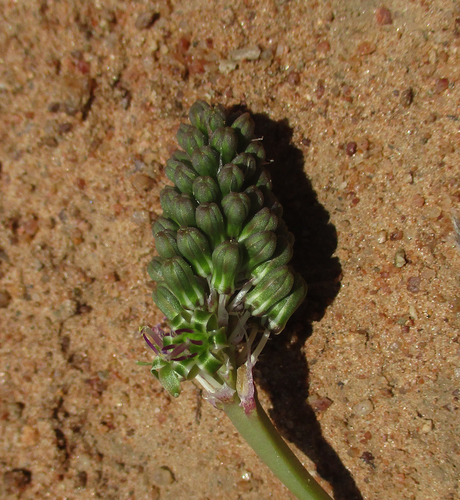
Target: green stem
{"type": "Point", "coordinates": [258, 430]}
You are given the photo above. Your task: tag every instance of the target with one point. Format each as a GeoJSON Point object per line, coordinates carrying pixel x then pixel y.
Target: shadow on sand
{"type": "Point", "coordinates": [282, 371]}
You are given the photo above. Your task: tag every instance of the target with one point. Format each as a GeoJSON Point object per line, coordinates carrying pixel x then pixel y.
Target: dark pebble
{"type": "Point", "coordinates": [17, 479]}
{"type": "Point", "coordinates": [54, 107]}
{"type": "Point", "coordinates": [383, 16]}
{"type": "Point", "coordinates": [293, 78]}
{"type": "Point", "coordinates": [5, 299]}
{"type": "Point", "coordinates": [441, 85]}
{"type": "Point", "coordinates": [407, 96]}
{"type": "Point", "coordinates": [145, 20]}
{"type": "Point", "coordinates": [351, 148]}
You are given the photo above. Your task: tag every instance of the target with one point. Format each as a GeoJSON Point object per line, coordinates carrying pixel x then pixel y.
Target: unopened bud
{"type": "Point", "coordinates": [230, 178]}
{"type": "Point", "coordinates": [198, 115]}
{"type": "Point", "coordinates": [279, 314]}
{"type": "Point", "coordinates": [259, 248]}
{"type": "Point", "coordinates": [246, 163]}
{"type": "Point", "coordinates": [274, 287]}
{"type": "Point", "coordinates": [154, 269]}
{"type": "Point", "coordinates": [190, 138]}
{"type": "Point", "coordinates": [179, 277]}
{"type": "Point", "coordinates": [166, 301]}
{"type": "Point", "coordinates": [206, 189]}
{"type": "Point", "coordinates": [244, 128]}
{"type": "Point", "coordinates": [236, 209]}
{"type": "Point", "coordinates": [194, 246]}
{"type": "Point", "coordinates": [206, 161]}
{"type": "Point", "coordinates": [281, 256]}
{"type": "Point", "coordinates": [256, 149]}
{"type": "Point", "coordinates": [225, 142]}
{"type": "Point", "coordinates": [264, 220]}
{"type": "Point", "coordinates": [165, 243]}
{"type": "Point", "coordinates": [184, 177]}
{"type": "Point", "coordinates": [210, 220]}
{"type": "Point", "coordinates": [226, 261]}
{"type": "Point", "coordinates": [163, 223]}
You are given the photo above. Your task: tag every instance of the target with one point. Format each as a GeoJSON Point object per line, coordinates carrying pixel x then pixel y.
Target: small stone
{"type": "Point", "coordinates": [246, 54]}
{"type": "Point", "coordinates": [323, 47]}
{"type": "Point", "coordinates": [163, 476]}
{"type": "Point", "coordinates": [142, 183]}
{"type": "Point", "coordinates": [29, 436]}
{"type": "Point", "coordinates": [441, 85]}
{"type": "Point", "coordinates": [365, 48]}
{"type": "Point", "coordinates": [351, 148]}
{"type": "Point", "coordinates": [319, 404]}
{"type": "Point", "coordinates": [293, 78]}
{"type": "Point", "coordinates": [363, 408]}
{"type": "Point", "coordinates": [418, 200]}
{"type": "Point", "coordinates": [16, 479]}
{"type": "Point", "coordinates": [383, 16]}
{"type": "Point", "coordinates": [400, 258]}
{"type": "Point", "coordinates": [407, 96]}
{"type": "Point", "coordinates": [146, 20]}
{"type": "Point", "coordinates": [226, 66]}
{"type": "Point", "coordinates": [427, 426]}
{"type": "Point", "coordinates": [362, 144]}
{"type": "Point", "coordinates": [432, 213]}
{"type": "Point", "coordinates": [66, 310]}
{"type": "Point", "coordinates": [382, 236]}
{"type": "Point", "coordinates": [5, 299]}
{"type": "Point", "coordinates": [266, 55]}
{"type": "Point", "coordinates": [413, 284]}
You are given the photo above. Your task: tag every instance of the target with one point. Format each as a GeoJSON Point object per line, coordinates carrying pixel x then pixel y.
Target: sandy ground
{"type": "Point", "coordinates": [358, 103]}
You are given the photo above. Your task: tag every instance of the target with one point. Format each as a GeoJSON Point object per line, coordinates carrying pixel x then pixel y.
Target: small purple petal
{"type": "Point", "coordinates": [154, 349]}
{"type": "Point", "coordinates": [184, 330]}
{"type": "Point", "coordinates": [196, 342]}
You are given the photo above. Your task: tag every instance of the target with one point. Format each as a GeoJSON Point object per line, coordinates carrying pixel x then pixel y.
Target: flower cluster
{"type": "Point", "coordinates": [222, 273]}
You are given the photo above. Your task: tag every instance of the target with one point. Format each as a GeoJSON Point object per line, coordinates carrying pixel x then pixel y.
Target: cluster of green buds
{"type": "Point", "coordinates": [222, 273]}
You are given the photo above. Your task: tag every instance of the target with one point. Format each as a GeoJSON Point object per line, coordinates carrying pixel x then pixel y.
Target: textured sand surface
{"type": "Point", "coordinates": [358, 103]}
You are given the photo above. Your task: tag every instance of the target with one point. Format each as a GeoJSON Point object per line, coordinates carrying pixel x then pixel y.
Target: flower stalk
{"type": "Point", "coordinates": [223, 279]}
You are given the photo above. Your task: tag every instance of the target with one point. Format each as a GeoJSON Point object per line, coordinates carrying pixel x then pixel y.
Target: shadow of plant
{"type": "Point", "coordinates": [282, 370]}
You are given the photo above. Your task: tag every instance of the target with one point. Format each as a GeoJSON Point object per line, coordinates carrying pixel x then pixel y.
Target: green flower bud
{"type": "Point", "coordinates": [184, 210]}
{"type": "Point", "coordinates": [225, 142]}
{"type": "Point", "coordinates": [199, 114]}
{"type": "Point", "coordinates": [279, 314]}
{"type": "Point", "coordinates": [163, 223]}
{"type": "Point", "coordinates": [166, 301]}
{"type": "Point", "coordinates": [206, 189]}
{"type": "Point", "coordinates": [178, 158]}
{"type": "Point", "coordinates": [216, 118]}
{"type": "Point", "coordinates": [154, 269]}
{"type": "Point", "coordinates": [210, 220]}
{"type": "Point", "coordinates": [230, 178]}
{"type": "Point", "coordinates": [206, 161]}
{"type": "Point", "coordinates": [226, 261]}
{"type": "Point", "coordinates": [168, 200]}
{"type": "Point", "coordinates": [194, 246]}
{"type": "Point", "coordinates": [236, 209]}
{"type": "Point", "coordinates": [259, 247]}
{"type": "Point", "coordinates": [271, 289]}
{"type": "Point", "coordinates": [271, 201]}
{"type": "Point", "coordinates": [179, 277]}
{"type": "Point", "coordinates": [165, 243]}
{"type": "Point", "coordinates": [184, 177]}
{"type": "Point", "coordinates": [256, 149]}
{"type": "Point", "coordinates": [256, 197]}
{"type": "Point", "coordinates": [246, 163]}
{"type": "Point", "coordinates": [244, 128]}
{"type": "Point", "coordinates": [281, 256]}
{"type": "Point", "coordinates": [190, 138]}
{"type": "Point", "coordinates": [264, 182]}
{"type": "Point", "coordinates": [169, 380]}
{"type": "Point", "coordinates": [264, 220]}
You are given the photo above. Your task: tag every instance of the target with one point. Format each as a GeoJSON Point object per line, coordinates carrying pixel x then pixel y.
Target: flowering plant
{"type": "Point", "coordinates": [223, 279]}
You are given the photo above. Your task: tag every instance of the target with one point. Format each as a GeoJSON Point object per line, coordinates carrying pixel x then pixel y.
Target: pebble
{"type": "Point", "coordinates": [351, 148]}
{"type": "Point", "coordinates": [66, 310]}
{"type": "Point", "coordinates": [5, 299]}
{"type": "Point", "coordinates": [407, 96]}
{"type": "Point", "coordinates": [363, 408]}
{"type": "Point", "coordinates": [319, 404]}
{"type": "Point", "coordinates": [146, 20]}
{"type": "Point", "coordinates": [16, 479]}
{"type": "Point", "coordinates": [413, 284]}
{"type": "Point", "coordinates": [163, 476]}
{"type": "Point", "coordinates": [418, 200]}
{"type": "Point", "coordinates": [226, 66]}
{"type": "Point", "coordinates": [293, 78]}
{"type": "Point", "coordinates": [441, 85]}
{"type": "Point", "coordinates": [382, 236]}
{"type": "Point", "coordinates": [323, 47]}
{"type": "Point", "coordinates": [400, 258]}
{"type": "Point", "coordinates": [427, 426]}
{"type": "Point", "coordinates": [432, 213]}
{"type": "Point", "coordinates": [246, 54]}
{"type": "Point", "coordinates": [142, 183]}
{"type": "Point", "coordinates": [383, 16]}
